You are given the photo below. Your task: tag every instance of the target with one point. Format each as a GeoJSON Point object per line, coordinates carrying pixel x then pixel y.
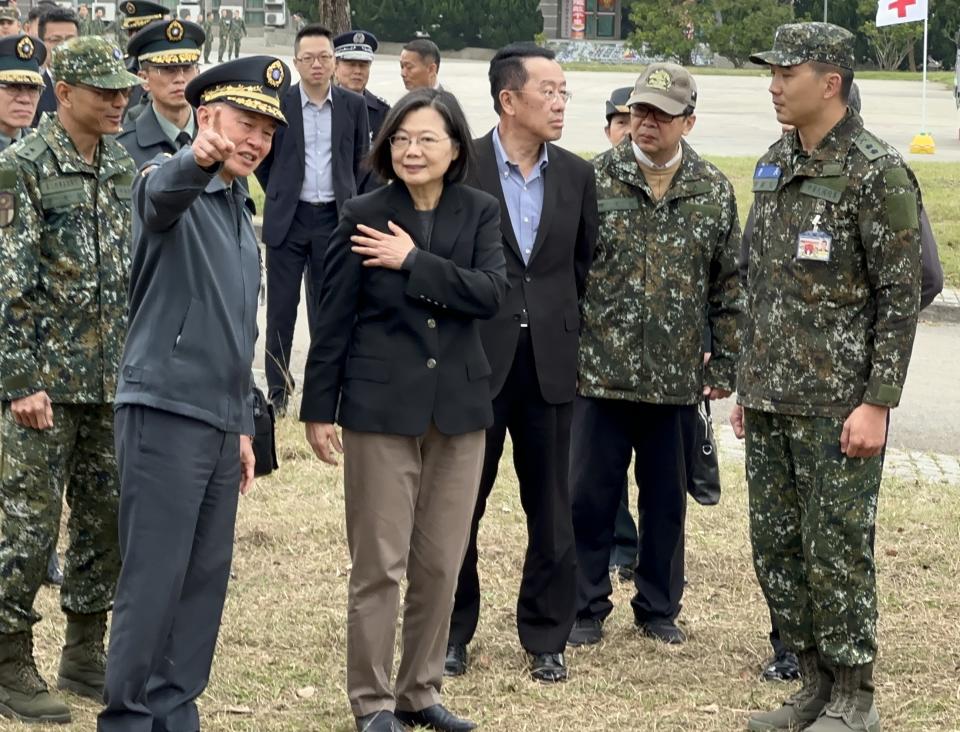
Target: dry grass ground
{"type": "Point", "coordinates": [280, 664]}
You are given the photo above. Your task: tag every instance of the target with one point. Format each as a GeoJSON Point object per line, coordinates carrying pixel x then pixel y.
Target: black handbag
{"type": "Point", "coordinates": [703, 483]}
{"type": "Point", "coordinates": [264, 440]}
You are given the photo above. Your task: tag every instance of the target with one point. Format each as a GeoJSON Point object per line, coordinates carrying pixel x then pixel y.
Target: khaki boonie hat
{"type": "Point", "coordinates": [91, 60]}
{"type": "Point", "coordinates": [797, 43]}
{"type": "Point", "coordinates": [667, 87]}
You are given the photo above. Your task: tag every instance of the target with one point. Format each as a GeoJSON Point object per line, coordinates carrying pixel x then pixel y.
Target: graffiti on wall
{"type": "Point", "coordinates": [615, 52]}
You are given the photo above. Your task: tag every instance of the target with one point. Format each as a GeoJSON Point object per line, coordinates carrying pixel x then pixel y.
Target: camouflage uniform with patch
{"type": "Point", "coordinates": [657, 267]}
{"type": "Point", "coordinates": [224, 33]}
{"type": "Point", "coordinates": [65, 237]}
{"type": "Point", "coordinates": [833, 291]}
{"type": "Point", "coordinates": [207, 26]}
{"type": "Point", "coordinates": [238, 30]}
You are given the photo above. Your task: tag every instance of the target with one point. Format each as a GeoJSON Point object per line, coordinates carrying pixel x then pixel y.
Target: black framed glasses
{"type": "Point", "coordinates": [641, 112]}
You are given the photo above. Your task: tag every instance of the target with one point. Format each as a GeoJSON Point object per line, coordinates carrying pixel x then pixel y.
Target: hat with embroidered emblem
{"type": "Point", "coordinates": [21, 57]}
{"type": "Point", "coordinates": [355, 45]}
{"type": "Point", "coordinates": [255, 84]}
{"type": "Point", "coordinates": [91, 60]}
{"type": "Point", "coordinates": [668, 87]}
{"type": "Point", "coordinates": [167, 43]}
{"type": "Point", "coordinates": [139, 13]}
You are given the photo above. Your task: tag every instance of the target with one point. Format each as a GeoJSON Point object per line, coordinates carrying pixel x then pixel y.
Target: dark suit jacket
{"type": "Point", "coordinates": [550, 286]}
{"type": "Point", "coordinates": [351, 140]}
{"type": "Point", "coordinates": [144, 139]}
{"type": "Point", "coordinates": [48, 100]}
{"type": "Point", "coordinates": [401, 348]}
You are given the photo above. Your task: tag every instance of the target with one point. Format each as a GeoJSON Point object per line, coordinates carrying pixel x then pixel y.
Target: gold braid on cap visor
{"type": "Point", "coordinates": [138, 22]}
{"type": "Point", "coordinates": [248, 96]}
{"type": "Point", "coordinates": [13, 76]}
{"type": "Point", "coordinates": [173, 58]}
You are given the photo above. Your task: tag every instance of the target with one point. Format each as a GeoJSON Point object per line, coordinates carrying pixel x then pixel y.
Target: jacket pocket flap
{"type": "Point", "coordinates": [478, 368]}
{"type": "Point", "coordinates": [368, 369]}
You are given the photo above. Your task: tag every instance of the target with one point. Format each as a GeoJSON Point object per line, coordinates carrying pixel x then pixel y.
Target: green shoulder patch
{"type": "Point", "coordinates": [901, 211]}
{"type": "Point", "coordinates": [871, 147]}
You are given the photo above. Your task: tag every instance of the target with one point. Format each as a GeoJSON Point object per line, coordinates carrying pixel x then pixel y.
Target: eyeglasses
{"type": "Point", "coordinates": [640, 112]}
{"type": "Point", "coordinates": [16, 90]}
{"type": "Point", "coordinates": [56, 40]}
{"type": "Point", "coordinates": [310, 58]}
{"type": "Point", "coordinates": [401, 141]}
{"type": "Point", "coordinates": [107, 95]}
{"type": "Point", "coordinates": [549, 95]}
{"type": "Point", "coordinates": [173, 71]}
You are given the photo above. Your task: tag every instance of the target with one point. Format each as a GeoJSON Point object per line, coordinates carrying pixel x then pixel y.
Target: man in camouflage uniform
{"type": "Point", "coordinates": [98, 25]}
{"type": "Point", "coordinates": [64, 234]}
{"type": "Point", "coordinates": [83, 19]}
{"type": "Point", "coordinates": [9, 18]}
{"type": "Point", "coordinates": [223, 34]}
{"type": "Point", "coordinates": [207, 25]}
{"type": "Point", "coordinates": [833, 286]}
{"type": "Point", "coordinates": [238, 30]}
{"type": "Point", "coordinates": [666, 254]}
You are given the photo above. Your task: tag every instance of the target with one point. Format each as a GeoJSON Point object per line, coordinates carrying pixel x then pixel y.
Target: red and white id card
{"type": "Point", "coordinates": [814, 246]}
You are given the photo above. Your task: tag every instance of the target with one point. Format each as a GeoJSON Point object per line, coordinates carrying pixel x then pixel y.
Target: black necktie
{"type": "Point", "coordinates": [183, 139]}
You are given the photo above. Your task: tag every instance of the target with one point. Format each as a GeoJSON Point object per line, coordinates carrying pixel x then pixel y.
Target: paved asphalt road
{"type": "Point", "coordinates": [735, 118]}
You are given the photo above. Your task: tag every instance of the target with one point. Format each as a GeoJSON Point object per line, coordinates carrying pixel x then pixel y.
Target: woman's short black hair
{"type": "Point", "coordinates": [458, 129]}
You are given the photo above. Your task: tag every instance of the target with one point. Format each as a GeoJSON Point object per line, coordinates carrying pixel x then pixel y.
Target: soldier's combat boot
{"type": "Point", "coordinates": [83, 662]}
{"type": "Point", "coordinates": [851, 704]}
{"type": "Point", "coordinates": [802, 709]}
{"type": "Point", "coordinates": [23, 693]}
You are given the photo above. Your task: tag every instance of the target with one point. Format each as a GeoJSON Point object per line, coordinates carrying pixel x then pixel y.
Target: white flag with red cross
{"type": "Point", "coordinates": [892, 12]}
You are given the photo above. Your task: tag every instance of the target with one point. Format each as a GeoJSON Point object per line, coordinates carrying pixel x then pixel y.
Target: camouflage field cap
{"type": "Point", "coordinates": [668, 87]}
{"type": "Point", "coordinates": [617, 103]}
{"type": "Point", "coordinates": [797, 43]}
{"type": "Point", "coordinates": [8, 11]}
{"type": "Point", "coordinates": [91, 60]}
{"type": "Point", "coordinates": [20, 59]}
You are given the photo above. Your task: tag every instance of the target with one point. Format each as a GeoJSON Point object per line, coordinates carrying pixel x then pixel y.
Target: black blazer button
{"type": "Point", "coordinates": [431, 323]}
{"type": "Point", "coordinates": [431, 363]}
{"type": "Point", "coordinates": [527, 278]}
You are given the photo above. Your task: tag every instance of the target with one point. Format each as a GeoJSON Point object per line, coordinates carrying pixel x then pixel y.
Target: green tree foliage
{"type": "Point", "coordinates": [452, 24]}
{"type": "Point", "coordinates": [664, 27]}
{"type": "Point", "coordinates": [737, 28]}
{"type": "Point", "coordinates": [891, 44]}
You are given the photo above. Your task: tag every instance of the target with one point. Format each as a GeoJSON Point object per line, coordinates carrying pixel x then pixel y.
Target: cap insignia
{"type": "Point", "coordinates": [175, 31]}
{"type": "Point", "coordinates": [25, 48]}
{"type": "Point", "coordinates": [660, 79]}
{"type": "Point", "coordinates": [130, 8]}
{"type": "Point", "coordinates": [359, 38]}
{"type": "Point", "coordinates": [274, 75]}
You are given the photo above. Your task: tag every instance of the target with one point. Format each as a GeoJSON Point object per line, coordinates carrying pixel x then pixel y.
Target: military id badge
{"type": "Point", "coordinates": [814, 246]}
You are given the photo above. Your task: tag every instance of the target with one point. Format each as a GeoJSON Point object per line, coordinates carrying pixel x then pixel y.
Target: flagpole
{"type": "Point", "coordinates": [923, 143]}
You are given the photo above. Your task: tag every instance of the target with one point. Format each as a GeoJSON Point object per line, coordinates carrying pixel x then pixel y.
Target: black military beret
{"type": "Point", "coordinates": [21, 57]}
{"type": "Point", "coordinates": [256, 84]}
{"type": "Point", "coordinates": [355, 45]}
{"type": "Point", "coordinates": [138, 13]}
{"type": "Point", "coordinates": [167, 43]}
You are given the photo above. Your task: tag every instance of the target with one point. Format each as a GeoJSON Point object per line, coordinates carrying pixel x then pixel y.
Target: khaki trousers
{"type": "Point", "coordinates": [409, 501]}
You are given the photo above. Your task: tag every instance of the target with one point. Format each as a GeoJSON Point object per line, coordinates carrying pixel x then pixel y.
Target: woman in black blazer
{"type": "Point", "coordinates": [396, 359]}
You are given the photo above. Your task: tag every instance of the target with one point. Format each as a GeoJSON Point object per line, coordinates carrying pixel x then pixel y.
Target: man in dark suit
{"type": "Point", "coordinates": [55, 25]}
{"type": "Point", "coordinates": [312, 168]}
{"type": "Point", "coordinates": [168, 55]}
{"type": "Point", "coordinates": [549, 225]}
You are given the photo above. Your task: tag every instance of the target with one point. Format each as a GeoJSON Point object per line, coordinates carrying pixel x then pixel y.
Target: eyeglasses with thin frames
{"type": "Point", "coordinates": [549, 95]}
{"type": "Point", "coordinates": [402, 141]}
{"type": "Point", "coordinates": [310, 59]}
{"type": "Point", "coordinates": [107, 95]}
{"type": "Point", "coordinates": [187, 71]}
{"type": "Point", "coordinates": [18, 89]}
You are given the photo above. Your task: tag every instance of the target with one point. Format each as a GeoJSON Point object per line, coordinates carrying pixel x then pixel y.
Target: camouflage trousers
{"type": "Point", "coordinates": [812, 516]}
{"type": "Point", "coordinates": [76, 455]}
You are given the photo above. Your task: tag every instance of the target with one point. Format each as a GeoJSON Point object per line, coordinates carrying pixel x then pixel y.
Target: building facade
{"type": "Point", "coordinates": [582, 19]}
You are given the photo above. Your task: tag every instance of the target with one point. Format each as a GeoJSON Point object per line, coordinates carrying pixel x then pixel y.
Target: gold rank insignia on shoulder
{"type": "Point", "coordinates": [660, 79]}
{"type": "Point", "coordinates": [175, 31]}
{"type": "Point", "coordinates": [25, 49]}
{"type": "Point", "coordinates": [274, 75]}
{"type": "Point", "coordinates": [8, 208]}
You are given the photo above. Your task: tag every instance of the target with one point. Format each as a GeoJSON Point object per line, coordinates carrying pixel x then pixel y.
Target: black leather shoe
{"type": "Point", "coordinates": [436, 717]}
{"type": "Point", "coordinates": [623, 571]}
{"type": "Point", "coordinates": [547, 667]}
{"type": "Point", "coordinates": [585, 632]}
{"type": "Point", "coordinates": [54, 575]}
{"type": "Point", "coordinates": [783, 666]}
{"type": "Point", "coordinates": [665, 631]}
{"type": "Point", "coordinates": [382, 721]}
{"type": "Point", "coordinates": [455, 664]}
